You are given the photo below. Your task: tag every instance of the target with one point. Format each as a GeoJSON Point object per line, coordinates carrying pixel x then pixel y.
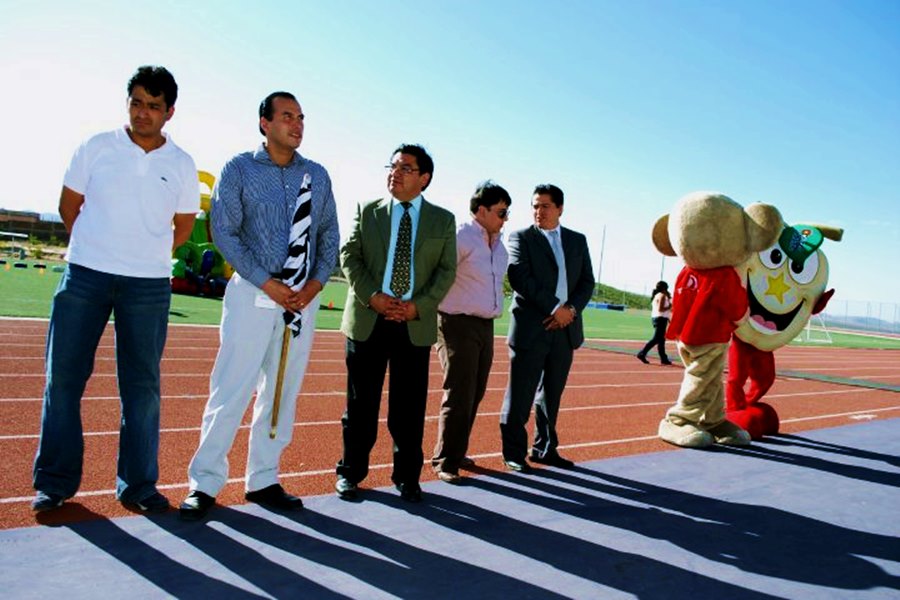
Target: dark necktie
{"type": "Point", "coordinates": [402, 254]}
{"type": "Point", "coordinates": [294, 271]}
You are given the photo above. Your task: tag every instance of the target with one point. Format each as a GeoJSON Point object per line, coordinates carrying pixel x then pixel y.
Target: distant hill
{"type": "Point", "coordinates": [611, 295]}
{"type": "Point", "coordinates": [860, 323]}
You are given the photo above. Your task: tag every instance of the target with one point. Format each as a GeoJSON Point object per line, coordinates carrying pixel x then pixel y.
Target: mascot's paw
{"type": "Point", "coordinates": [685, 435]}
{"type": "Point", "coordinates": [729, 434]}
{"type": "Point", "coordinates": [758, 419]}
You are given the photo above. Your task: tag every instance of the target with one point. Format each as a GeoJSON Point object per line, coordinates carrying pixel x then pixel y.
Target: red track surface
{"type": "Point", "coordinates": [611, 407]}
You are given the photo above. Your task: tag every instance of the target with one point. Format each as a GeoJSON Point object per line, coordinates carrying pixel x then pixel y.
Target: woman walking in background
{"type": "Point", "coordinates": [660, 313]}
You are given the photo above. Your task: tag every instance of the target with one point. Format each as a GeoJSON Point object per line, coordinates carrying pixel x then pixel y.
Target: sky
{"type": "Point", "coordinates": [627, 105]}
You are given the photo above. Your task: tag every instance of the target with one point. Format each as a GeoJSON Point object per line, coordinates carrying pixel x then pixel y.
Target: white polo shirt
{"type": "Point", "coordinates": [130, 198]}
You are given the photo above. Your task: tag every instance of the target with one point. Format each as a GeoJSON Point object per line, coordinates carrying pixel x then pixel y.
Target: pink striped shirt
{"type": "Point", "coordinates": [480, 267]}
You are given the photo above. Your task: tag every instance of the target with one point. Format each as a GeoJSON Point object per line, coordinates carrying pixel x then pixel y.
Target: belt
{"type": "Point", "coordinates": [463, 315]}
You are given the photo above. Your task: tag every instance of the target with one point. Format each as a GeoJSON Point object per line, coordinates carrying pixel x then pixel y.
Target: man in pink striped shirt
{"type": "Point", "coordinates": [465, 343]}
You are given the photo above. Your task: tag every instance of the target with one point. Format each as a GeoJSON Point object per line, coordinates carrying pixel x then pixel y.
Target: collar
{"type": "Point", "coordinates": [491, 239]}
{"type": "Point", "coordinates": [415, 203]}
{"type": "Point", "coordinates": [262, 155]}
{"type": "Point", "coordinates": [546, 232]}
{"type": "Point", "coordinates": [124, 138]}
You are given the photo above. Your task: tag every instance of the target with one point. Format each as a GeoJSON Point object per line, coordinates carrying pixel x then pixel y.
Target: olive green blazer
{"type": "Point", "coordinates": [364, 260]}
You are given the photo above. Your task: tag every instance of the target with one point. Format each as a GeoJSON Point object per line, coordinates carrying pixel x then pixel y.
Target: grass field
{"type": "Point", "coordinates": [27, 293]}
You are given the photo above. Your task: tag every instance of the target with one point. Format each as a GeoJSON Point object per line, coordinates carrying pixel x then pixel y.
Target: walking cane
{"type": "Point", "coordinates": [279, 382]}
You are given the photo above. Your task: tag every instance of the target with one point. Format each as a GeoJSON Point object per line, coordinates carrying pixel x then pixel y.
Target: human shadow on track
{"type": "Point", "coordinates": [787, 440]}
{"type": "Point", "coordinates": [381, 561]}
{"type": "Point", "coordinates": [153, 565]}
{"type": "Point", "coordinates": [629, 572]}
{"type": "Point", "coordinates": [754, 539]}
{"type": "Point", "coordinates": [763, 449]}
{"type": "Point", "coordinates": [240, 558]}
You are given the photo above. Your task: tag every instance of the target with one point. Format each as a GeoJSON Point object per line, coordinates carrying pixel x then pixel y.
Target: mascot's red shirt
{"type": "Point", "coordinates": [706, 304]}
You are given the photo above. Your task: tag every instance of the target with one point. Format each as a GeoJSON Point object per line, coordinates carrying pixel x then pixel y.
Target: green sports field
{"type": "Point", "coordinates": [27, 292]}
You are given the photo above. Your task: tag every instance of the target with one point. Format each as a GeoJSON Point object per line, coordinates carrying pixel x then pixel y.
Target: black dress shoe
{"type": "Point", "coordinates": [345, 488]}
{"type": "Point", "coordinates": [665, 362]}
{"type": "Point", "coordinates": [195, 506]}
{"type": "Point", "coordinates": [411, 492]}
{"type": "Point", "coordinates": [518, 467]}
{"type": "Point", "coordinates": [275, 497]}
{"type": "Point", "coordinates": [553, 460]}
{"type": "Point", "coordinates": [643, 359]}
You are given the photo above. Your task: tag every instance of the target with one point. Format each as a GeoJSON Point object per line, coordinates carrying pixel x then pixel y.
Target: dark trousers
{"type": "Point", "coordinates": [465, 348]}
{"type": "Point", "coordinates": [659, 339]}
{"type": "Point", "coordinates": [537, 375]}
{"type": "Point", "coordinates": [367, 363]}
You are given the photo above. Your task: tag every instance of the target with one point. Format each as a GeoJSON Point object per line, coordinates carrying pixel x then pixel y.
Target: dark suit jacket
{"type": "Point", "coordinates": [532, 275]}
{"type": "Point", "coordinates": [364, 260]}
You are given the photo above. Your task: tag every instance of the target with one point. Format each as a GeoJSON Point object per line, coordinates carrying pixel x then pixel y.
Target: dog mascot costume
{"type": "Point", "coordinates": [713, 235]}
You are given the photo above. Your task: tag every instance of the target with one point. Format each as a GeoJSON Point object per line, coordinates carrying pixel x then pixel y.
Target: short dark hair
{"type": "Point", "coordinates": [487, 194]}
{"type": "Point", "coordinates": [556, 194]}
{"type": "Point", "coordinates": [423, 160]}
{"type": "Point", "coordinates": [661, 286]}
{"type": "Point", "coordinates": [266, 107]}
{"type": "Point", "coordinates": [157, 81]}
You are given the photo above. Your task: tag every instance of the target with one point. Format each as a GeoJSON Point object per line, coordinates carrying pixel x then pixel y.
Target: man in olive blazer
{"type": "Point", "coordinates": [545, 328]}
{"type": "Point", "coordinates": [393, 328]}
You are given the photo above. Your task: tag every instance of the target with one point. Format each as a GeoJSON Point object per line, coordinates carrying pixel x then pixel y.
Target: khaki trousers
{"type": "Point", "coordinates": [701, 400]}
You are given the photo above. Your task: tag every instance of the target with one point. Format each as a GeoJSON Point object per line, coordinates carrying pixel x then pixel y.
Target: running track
{"type": "Point", "coordinates": [611, 407]}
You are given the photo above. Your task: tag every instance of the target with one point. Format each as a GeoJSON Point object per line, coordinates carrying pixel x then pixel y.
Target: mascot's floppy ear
{"type": "Point", "coordinates": [661, 236]}
{"type": "Point", "coordinates": [763, 225]}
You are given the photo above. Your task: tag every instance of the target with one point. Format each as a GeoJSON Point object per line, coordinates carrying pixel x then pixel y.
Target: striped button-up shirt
{"type": "Point", "coordinates": [252, 208]}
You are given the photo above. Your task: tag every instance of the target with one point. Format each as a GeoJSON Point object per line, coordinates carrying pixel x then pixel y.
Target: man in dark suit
{"type": "Point", "coordinates": [552, 280]}
{"type": "Point", "coordinates": [400, 261]}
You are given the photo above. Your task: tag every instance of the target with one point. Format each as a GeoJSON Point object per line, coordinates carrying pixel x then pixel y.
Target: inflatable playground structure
{"type": "Point", "coordinates": [198, 268]}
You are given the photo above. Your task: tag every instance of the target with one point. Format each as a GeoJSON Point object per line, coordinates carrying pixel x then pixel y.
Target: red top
{"type": "Point", "coordinates": [706, 304]}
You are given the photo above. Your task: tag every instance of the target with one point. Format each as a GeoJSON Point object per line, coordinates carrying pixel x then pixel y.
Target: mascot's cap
{"type": "Point", "coordinates": [800, 241]}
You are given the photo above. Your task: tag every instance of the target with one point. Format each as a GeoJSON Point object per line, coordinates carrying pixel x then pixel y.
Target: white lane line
{"type": "Point", "coordinates": [490, 389]}
{"type": "Point", "coordinates": [337, 422]}
{"type": "Point", "coordinates": [480, 415]}
{"type": "Point", "coordinates": [844, 414]}
{"type": "Point", "coordinates": [329, 471]}
{"type": "Point", "coordinates": [431, 392]}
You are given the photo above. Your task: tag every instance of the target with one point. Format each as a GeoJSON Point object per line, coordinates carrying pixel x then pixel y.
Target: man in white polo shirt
{"type": "Point", "coordinates": [129, 196]}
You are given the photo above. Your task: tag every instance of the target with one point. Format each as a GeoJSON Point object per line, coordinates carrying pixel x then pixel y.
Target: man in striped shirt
{"type": "Point", "coordinates": [253, 208]}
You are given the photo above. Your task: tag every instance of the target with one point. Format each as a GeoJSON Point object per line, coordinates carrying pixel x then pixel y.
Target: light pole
{"type": "Point", "coordinates": [600, 265]}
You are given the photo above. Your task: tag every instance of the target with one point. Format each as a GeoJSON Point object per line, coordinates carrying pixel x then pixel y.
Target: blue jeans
{"type": "Point", "coordinates": [82, 305]}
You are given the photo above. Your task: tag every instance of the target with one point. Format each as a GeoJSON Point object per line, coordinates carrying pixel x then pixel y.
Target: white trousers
{"type": "Point", "coordinates": [249, 352]}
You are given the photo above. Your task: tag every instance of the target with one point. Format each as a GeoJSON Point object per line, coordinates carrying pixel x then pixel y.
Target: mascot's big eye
{"type": "Point", "coordinates": [772, 258]}
{"type": "Point", "coordinates": [804, 273]}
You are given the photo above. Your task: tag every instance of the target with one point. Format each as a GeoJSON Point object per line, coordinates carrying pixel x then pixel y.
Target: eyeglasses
{"type": "Point", "coordinates": [503, 213]}
{"type": "Point", "coordinates": [405, 169]}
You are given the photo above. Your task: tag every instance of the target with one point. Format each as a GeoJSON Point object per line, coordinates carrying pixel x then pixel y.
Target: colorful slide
{"type": "Point", "coordinates": [198, 268]}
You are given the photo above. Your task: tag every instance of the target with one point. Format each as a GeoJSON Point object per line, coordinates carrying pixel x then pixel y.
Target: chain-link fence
{"type": "Point", "coordinates": [880, 317]}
